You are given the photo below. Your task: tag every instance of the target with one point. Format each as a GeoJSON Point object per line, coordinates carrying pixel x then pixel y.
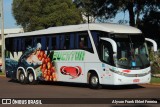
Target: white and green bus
{"type": "Point", "coordinates": [97, 54]}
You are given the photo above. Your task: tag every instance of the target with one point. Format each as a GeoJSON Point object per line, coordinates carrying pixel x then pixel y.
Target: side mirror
{"type": "Point", "coordinates": [153, 42]}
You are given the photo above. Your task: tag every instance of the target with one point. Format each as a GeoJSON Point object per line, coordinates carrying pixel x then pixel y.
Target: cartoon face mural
{"type": "Point", "coordinates": [74, 72]}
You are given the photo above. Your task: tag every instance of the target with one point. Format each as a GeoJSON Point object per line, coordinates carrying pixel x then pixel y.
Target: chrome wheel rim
{"type": "Point", "coordinates": [94, 80]}
{"type": "Point", "coordinates": [21, 77]}
{"type": "Point", "coordinates": [30, 77]}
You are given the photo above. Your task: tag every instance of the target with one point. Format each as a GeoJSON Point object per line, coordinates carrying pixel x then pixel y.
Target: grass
{"type": "Point", "coordinates": [155, 80]}
{"type": "Point", "coordinates": [1, 73]}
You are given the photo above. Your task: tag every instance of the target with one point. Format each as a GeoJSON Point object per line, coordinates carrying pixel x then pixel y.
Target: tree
{"type": "Point", "coordinates": [150, 25]}
{"type": "Point", "coordinates": [105, 9]}
{"type": "Point", "coordinates": [39, 14]}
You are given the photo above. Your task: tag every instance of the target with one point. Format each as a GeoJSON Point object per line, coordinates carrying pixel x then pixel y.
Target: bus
{"type": "Point", "coordinates": [95, 54]}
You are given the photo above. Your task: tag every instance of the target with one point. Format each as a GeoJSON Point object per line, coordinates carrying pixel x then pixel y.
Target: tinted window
{"type": "Point", "coordinates": [106, 52]}
{"type": "Point", "coordinates": [18, 47]}
{"type": "Point", "coordinates": [82, 41]}
{"type": "Point", "coordinates": [74, 40]}
{"type": "Point", "coordinates": [67, 42]}
{"type": "Point", "coordinates": [42, 41]}
{"type": "Point", "coordinates": [9, 44]}
{"type": "Point", "coordinates": [97, 35]}
{"type": "Point", "coordinates": [62, 40]}
{"type": "Point", "coordinates": [28, 42]}
{"type": "Point", "coordinates": [51, 42]}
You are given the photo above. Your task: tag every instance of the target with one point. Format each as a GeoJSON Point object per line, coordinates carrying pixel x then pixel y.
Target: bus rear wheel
{"type": "Point", "coordinates": [31, 78]}
{"type": "Point", "coordinates": [94, 81]}
{"type": "Point", "coordinates": [22, 78]}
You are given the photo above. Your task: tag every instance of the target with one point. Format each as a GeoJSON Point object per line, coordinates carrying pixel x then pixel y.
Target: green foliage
{"type": "Point", "coordinates": [1, 73]}
{"type": "Point", "coordinates": [40, 14]}
{"type": "Point", "coordinates": [150, 25]}
{"type": "Point", "coordinates": [98, 9]}
{"type": "Point", "coordinates": [106, 9]}
{"type": "Point", "coordinates": [155, 62]}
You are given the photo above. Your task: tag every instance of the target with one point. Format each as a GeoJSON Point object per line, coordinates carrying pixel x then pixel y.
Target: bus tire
{"type": "Point", "coordinates": [31, 78]}
{"type": "Point", "coordinates": [22, 78]}
{"type": "Point", "coordinates": [94, 81]}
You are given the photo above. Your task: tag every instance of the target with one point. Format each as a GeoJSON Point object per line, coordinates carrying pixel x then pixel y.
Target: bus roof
{"type": "Point", "coordinates": [107, 27]}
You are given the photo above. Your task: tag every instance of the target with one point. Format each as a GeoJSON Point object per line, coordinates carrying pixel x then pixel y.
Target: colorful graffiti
{"type": "Point", "coordinates": [74, 72]}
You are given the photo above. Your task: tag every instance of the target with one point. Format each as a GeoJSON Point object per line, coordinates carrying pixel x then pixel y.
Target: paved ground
{"type": "Point", "coordinates": [12, 89]}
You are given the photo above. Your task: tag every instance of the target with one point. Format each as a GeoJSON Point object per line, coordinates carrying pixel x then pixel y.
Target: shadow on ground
{"type": "Point", "coordinates": [108, 87]}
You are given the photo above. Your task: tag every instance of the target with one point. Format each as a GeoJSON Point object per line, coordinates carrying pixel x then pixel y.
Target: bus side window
{"type": "Point", "coordinates": [57, 42]}
{"type": "Point", "coordinates": [76, 39]}
{"type": "Point", "coordinates": [19, 44]}
{"type": "Point", "coordinates": [62, 40]}
{"type": "Point", "coordinates": [83, 42]}
{"type": "Point", "coordinates": [106, 52]}
{"type": "Point", "coordinates": [9, 44]}
{"type": "Point", "coordinates": [53, 43]}
{"type": "Point", "coordinates": [48, 42]}
{"type": "Point", "coordinates": [95, 38]}
{"type": "Point", "coordinates": [41, 40]}
{"type": "Point", "coordinates": [72, 41]}
{"type": "Point", "coordinates": [66, 42]}
{"type": "Point", "coordinates": [36, 40]}
{"type": "Point", "coordinates": [28, 43]}
{"type": "Point", "coordinates": [23, 44]}
{"type": "Point", "coordinates": [15, 45]}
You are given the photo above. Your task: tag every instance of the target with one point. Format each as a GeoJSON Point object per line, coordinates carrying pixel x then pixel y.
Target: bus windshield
{"type": "Point", "coordinates": [132, 51]}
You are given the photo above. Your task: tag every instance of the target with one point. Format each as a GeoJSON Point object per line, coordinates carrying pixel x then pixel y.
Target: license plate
{"type": "Point", "coordinates": [136, 80]}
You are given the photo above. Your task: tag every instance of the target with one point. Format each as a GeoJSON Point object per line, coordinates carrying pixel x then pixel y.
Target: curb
{"type": "Point", "coordinates": [155, 84]}
{"type": "Point", "coordinates": [152, 84]}
{"type": "Point", "coordinates": [2, 75]}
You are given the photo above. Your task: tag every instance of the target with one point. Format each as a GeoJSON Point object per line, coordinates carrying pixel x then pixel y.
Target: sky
{"type": "Point", "coordinates": [10, 22]}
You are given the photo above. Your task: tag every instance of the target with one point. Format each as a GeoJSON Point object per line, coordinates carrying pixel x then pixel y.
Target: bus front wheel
{"type": "Point", "coordinates": [94, 81]}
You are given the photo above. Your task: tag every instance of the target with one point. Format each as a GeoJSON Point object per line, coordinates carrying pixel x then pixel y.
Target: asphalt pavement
{"type": "Point", "coordinates": [65, 91]}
